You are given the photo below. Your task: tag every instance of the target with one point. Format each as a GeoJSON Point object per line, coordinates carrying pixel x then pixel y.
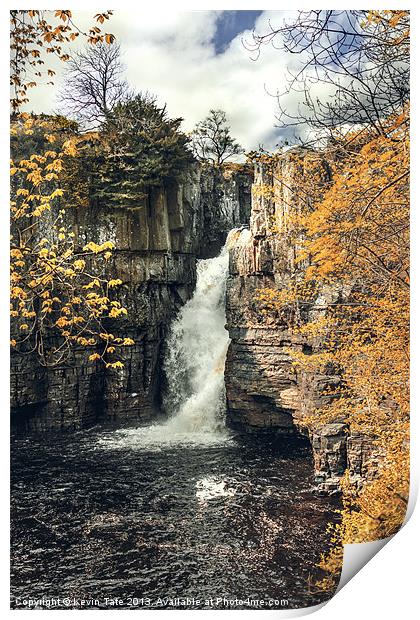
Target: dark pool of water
{"type": "Point", "coordinates": [95, 519]}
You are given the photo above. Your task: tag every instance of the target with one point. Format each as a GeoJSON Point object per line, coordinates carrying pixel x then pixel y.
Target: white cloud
{"type": "Point", "coordinates": [171, 55]}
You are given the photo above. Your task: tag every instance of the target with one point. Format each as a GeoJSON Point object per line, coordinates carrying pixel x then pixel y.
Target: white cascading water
{"type": "Point", "coordinates": [195, 364]}
{"type": "Point", "coordinates": [197, 348]}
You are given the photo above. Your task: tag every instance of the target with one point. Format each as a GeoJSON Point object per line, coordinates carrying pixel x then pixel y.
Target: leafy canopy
{"type": "Point", "coordinates": [60, 294]}
{"type": "Point", "coordinates": [140, 147]}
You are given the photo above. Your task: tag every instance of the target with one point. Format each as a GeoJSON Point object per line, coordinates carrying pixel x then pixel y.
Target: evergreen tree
{"type": "Point", "coordinates": [141, 147]}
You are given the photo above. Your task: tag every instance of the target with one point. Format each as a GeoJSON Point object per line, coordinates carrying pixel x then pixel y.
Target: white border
{"type": "Point", "coordinates": [387, 586]}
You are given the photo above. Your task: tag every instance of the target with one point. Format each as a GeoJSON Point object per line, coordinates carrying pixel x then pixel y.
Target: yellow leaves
{"type": "Point", "coordinates": [106, 336]}
{"type": "Point", "coordinates": [16, 253]}
{"type": "Point", "coordinates": [115, 365]}
{"type": "Point", "coordinates": [98, 248]}
{"type": "Point", "coordinates": [84, 342]}
{"type": "Point", "coordinates": [114, 283]}
{"type": "Point", "coordinates": [56, 192]}
{"type": "Point", "coordinates": [116, 312]}
{"type": "Point", "coordinates": [28, 314]}
{"type": "Point", "coordinates": [94, 357]}
{"type": "Point", "coordinates": [79, 264]}
{"type": "Point", "coordinates": [55, 166]}
{"type": "Point", "coordinates": [40, 209]}
{"type": "Point", "coordinates": [69, 148]}
{"type": "Point", "coordinates": [14, 277]}
{"type": "Point", "coordinates": [55, 284]}
{"type": "Point", "coordinates": [91, 284]}
{"type": "Point", "coordinates": [12, 342]}
{"type": "Point", "coordinates": [35, 177]}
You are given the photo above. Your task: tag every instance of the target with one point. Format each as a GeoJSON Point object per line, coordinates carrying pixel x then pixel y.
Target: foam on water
{"type": "Point", "coordinates": [194, 367]}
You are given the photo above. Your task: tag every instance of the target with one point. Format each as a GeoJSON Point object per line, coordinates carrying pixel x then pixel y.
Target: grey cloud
{"type": "Point", "coordinates": [172, 55]}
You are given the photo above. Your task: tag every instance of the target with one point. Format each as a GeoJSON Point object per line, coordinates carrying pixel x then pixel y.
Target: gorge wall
{"type": "Point", "coordinates": [157, 245]}
{"type": "Point", "coordinates": [265, 393]}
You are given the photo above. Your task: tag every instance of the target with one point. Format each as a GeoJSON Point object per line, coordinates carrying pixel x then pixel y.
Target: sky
{"type": "Point", "coordinates": [197, 60]}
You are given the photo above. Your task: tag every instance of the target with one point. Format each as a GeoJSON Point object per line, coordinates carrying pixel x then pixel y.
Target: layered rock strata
{"type": "Point", "coordinates": [265, 393]}
{"type": "Point", "coordinates": [157, 245]}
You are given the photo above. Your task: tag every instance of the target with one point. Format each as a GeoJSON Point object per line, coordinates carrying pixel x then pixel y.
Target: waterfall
{"type": "Point", "coordinates": [195, 364]}
{"type": "Point", "coordinates": [197, 346]}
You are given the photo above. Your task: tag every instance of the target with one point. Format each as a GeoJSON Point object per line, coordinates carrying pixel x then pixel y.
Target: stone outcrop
{"type": "Point", "coordinates": [157, 245]}
{"type": "Point", "coordinates": [225, 201]}
{"type": "Point", "coordinates": [264, 391]}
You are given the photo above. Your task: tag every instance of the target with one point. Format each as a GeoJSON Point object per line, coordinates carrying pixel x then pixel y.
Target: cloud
{"type": "Point", "coordinates": [172, 54]}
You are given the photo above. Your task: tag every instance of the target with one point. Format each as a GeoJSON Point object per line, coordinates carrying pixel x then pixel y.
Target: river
{"type": "Point", "coordinates": [182, 513]}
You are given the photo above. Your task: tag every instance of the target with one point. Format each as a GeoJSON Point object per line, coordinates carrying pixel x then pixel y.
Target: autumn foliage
{"type": "Point", "coordinates": [57, 287]}
{"type": "Point", "coordinates": [36, 34]}
{"type": "Point", "coordinates": [61, 293]}
{"type": "Point", "coordinates": [356, 240]}
{"type": "Point", "coordinates": [351, 232]}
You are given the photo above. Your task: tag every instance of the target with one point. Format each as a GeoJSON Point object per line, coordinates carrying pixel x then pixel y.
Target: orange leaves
{"type": "Point", "coordinates": [359, 233]}
{"type": "Point", "coordinates": [101, 17]}
{"type": "Point", "coordinates": [64, 15]}
{"type": "Point", "coordinates": [348, 300]}
{"type": "Point", "coordinates": [31, 33]}
{"type": "Point", "coordinates": [361, 225]}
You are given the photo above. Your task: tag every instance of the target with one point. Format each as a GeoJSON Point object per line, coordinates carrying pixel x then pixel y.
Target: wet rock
{"type": "Point", "coordinates": [264, 391]}
{"type": "Point", "coordinates": [157, 245]}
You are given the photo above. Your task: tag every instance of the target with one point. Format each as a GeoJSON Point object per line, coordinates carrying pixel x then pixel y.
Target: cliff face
{"type": "Point", "coordinates": [262, 387]}
{"type": "Point", "coordinates": [225, 203]}
{"type": "Point", "coordinates": [157, 247]}
{"type": "Point", "coordinates": [264, 391]}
